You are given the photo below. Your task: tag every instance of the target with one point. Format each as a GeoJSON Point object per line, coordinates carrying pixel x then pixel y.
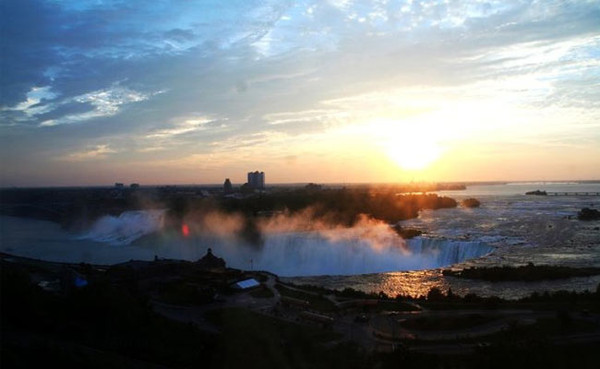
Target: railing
{"type": "Point", "coordinates": [573, 193]}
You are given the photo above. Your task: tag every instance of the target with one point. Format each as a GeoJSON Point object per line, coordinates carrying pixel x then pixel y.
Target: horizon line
{"type": "Point", "coordinates": [277, 184]}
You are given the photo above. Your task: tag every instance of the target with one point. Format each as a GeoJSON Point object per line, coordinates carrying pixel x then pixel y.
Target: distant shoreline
{"type": "Point", "coordinates": [328, 184]}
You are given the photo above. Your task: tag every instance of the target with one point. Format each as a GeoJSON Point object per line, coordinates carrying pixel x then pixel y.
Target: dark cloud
{"type": "Point", "coordinates": [28, 34]}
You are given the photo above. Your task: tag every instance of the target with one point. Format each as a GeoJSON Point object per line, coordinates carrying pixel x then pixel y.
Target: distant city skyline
{"type": "Point", "coordinates": [337, 91]}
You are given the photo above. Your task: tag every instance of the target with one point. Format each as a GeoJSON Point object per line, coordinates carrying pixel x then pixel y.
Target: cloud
{"type": "Point", "coordinates": [103, 103]}
{"type": "Point", "coordinates": [184, 127]}
{"type": "Point", "coordinates": [304, 117]}
{"type": "Point", "coordinates": [34, 104]}
{"type": "Point", "coordinates": [145, 77]}
{"type": "Point", "coordinates": [92, 153]}
{"type": "Point", "coordinates": [28, 34]}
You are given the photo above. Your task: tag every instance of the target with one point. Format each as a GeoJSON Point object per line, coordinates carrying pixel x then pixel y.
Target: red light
{"type": "Point", "coordinates": [185, 230]}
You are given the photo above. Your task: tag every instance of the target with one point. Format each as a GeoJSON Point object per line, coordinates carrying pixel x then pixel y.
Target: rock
{"type": "Point", "coordinates": [470, 203]}
{"type": "Point", "coordinates": [537, 193]}
{"type": "Point", "coordinates": [407, 233]}
{"type": "Point", "coordinates": [588, 214]}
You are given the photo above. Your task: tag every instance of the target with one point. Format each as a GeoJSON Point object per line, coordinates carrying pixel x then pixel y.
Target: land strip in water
{"type": "Point", "coordinates": [76, 206]}
{"type": "Point", "coordinates": [527, 273]}
{"type": "Point", "coordinates": [303, 208]}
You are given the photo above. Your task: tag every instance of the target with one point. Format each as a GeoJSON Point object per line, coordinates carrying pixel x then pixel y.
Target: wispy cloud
{"type": "Point", "coordinates": [91, 153]}
{"type": "Point", "coordinates": [182, 127]}
{"type": "Point", "coordinates": [308, 116]}
{"type": "Point", "coordinates": [34, 104]}
{"type": "Point", "coordinates": [181, 78]}
{"type": "Point", "coordinates": [105, 103]}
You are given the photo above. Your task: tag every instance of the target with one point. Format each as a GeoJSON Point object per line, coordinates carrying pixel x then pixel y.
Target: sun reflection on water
{"type": "Point", "coordinates": [409, 283]}
{"type": "Point", "coordinates": [418, 283]}
{"type": "Point", "coordinates": [413, 284]}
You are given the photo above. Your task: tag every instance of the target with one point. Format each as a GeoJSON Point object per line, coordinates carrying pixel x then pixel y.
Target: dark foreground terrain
{"type": "Point", "coordinates": [181, 314]}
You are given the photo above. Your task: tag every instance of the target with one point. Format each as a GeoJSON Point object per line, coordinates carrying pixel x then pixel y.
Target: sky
{"type": "Point", "coordinates": [94, 92]}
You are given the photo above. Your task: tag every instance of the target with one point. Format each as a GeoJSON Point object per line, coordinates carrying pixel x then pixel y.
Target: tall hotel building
{"type": "Point", "coordinates": [256, 180]}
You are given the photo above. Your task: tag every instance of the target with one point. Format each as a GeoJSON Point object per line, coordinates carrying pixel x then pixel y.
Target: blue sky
{"type": "Point", "coordinates": [94, 92]}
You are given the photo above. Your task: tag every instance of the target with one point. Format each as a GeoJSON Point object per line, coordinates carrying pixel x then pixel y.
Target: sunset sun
{"type": "Point", "coordinates": [410, 145]}
{"type": "Point", "coordinates": [413, 154]}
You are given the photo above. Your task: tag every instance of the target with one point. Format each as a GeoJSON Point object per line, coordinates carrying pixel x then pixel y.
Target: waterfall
{"type": "Point", "coordinates": [306, 254]}
{"type": "Point", "coordinates": [126, 228]}
{"type": "Point", "coordinates": [346, 251]}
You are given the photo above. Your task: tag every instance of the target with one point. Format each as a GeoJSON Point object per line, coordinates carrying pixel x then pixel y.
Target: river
{"type": "Point", "coordinates": [509, 228]}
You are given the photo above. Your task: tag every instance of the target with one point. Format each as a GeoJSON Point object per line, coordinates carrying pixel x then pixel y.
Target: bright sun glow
{"type": "Point", "coordinates": [413, 154]}
{"type": "Point", "coordinates": [412, 146]}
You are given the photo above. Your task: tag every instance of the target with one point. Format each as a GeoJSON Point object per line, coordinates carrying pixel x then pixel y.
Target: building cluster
{"type": "Point", "coordinates": [120, 185]}
{"type": "Point", "coordinates": [256, 181]}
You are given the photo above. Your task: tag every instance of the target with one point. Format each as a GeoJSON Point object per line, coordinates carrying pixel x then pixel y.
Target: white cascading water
{"type": "Point", "coordinates": [350, 251]}
{"type": "Point", "coordinates": [442, 252]}
{"type": "Point", "coordinates": [126, 228]}
{"type": "Point", "coordinates": [309, 254]}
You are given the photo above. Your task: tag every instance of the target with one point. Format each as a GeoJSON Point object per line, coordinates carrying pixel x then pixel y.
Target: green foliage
{"type": "Point", "coordinates": [181, 293]}
{"type": "Point", "coordinates": [341, 206]}
{"type": "Point", "coordinates": [356, 294]}
{"type": "Point", "coordinates": [100, 317]}
{"type": "Point", "coordinates": [250, 340]}
{"type": "Point", "coordinates": [316, 301]}
{"type": "Point", "coordinates": [435, 294]}
{"type": "Point", "coordinates": [447, 322]}
{"type": "Point", "coordinates": [262, 293]}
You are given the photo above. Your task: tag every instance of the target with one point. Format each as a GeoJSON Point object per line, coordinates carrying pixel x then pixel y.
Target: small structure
{"type": "Point", "coordinates": [70, 278]}
{"type": "Point", "coordinates": [209, 261]}
{"type": "Point", "coordinates": [246, 284]}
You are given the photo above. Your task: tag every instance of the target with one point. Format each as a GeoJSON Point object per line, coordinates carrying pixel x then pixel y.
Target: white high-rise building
{"type": "Point", "coordinates": [256, 180]}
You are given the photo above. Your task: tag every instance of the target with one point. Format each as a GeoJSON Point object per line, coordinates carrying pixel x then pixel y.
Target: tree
{"type": "Point", "coordinates": [435, 294]}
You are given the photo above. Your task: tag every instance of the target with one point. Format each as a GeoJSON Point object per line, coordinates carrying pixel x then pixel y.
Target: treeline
{"type": "Point", "coordinates": [527, 273]}
{"type": "Point", "coordinates": [77, 208]}
{"type": "Point", "coordinates": [438, 299]}
{"type": "Point", "coordinates": [436, 295]}
{"type": "Point", "coordinates": [341, 206]}
{"type": "Point", "coordinates": [73, 208]}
